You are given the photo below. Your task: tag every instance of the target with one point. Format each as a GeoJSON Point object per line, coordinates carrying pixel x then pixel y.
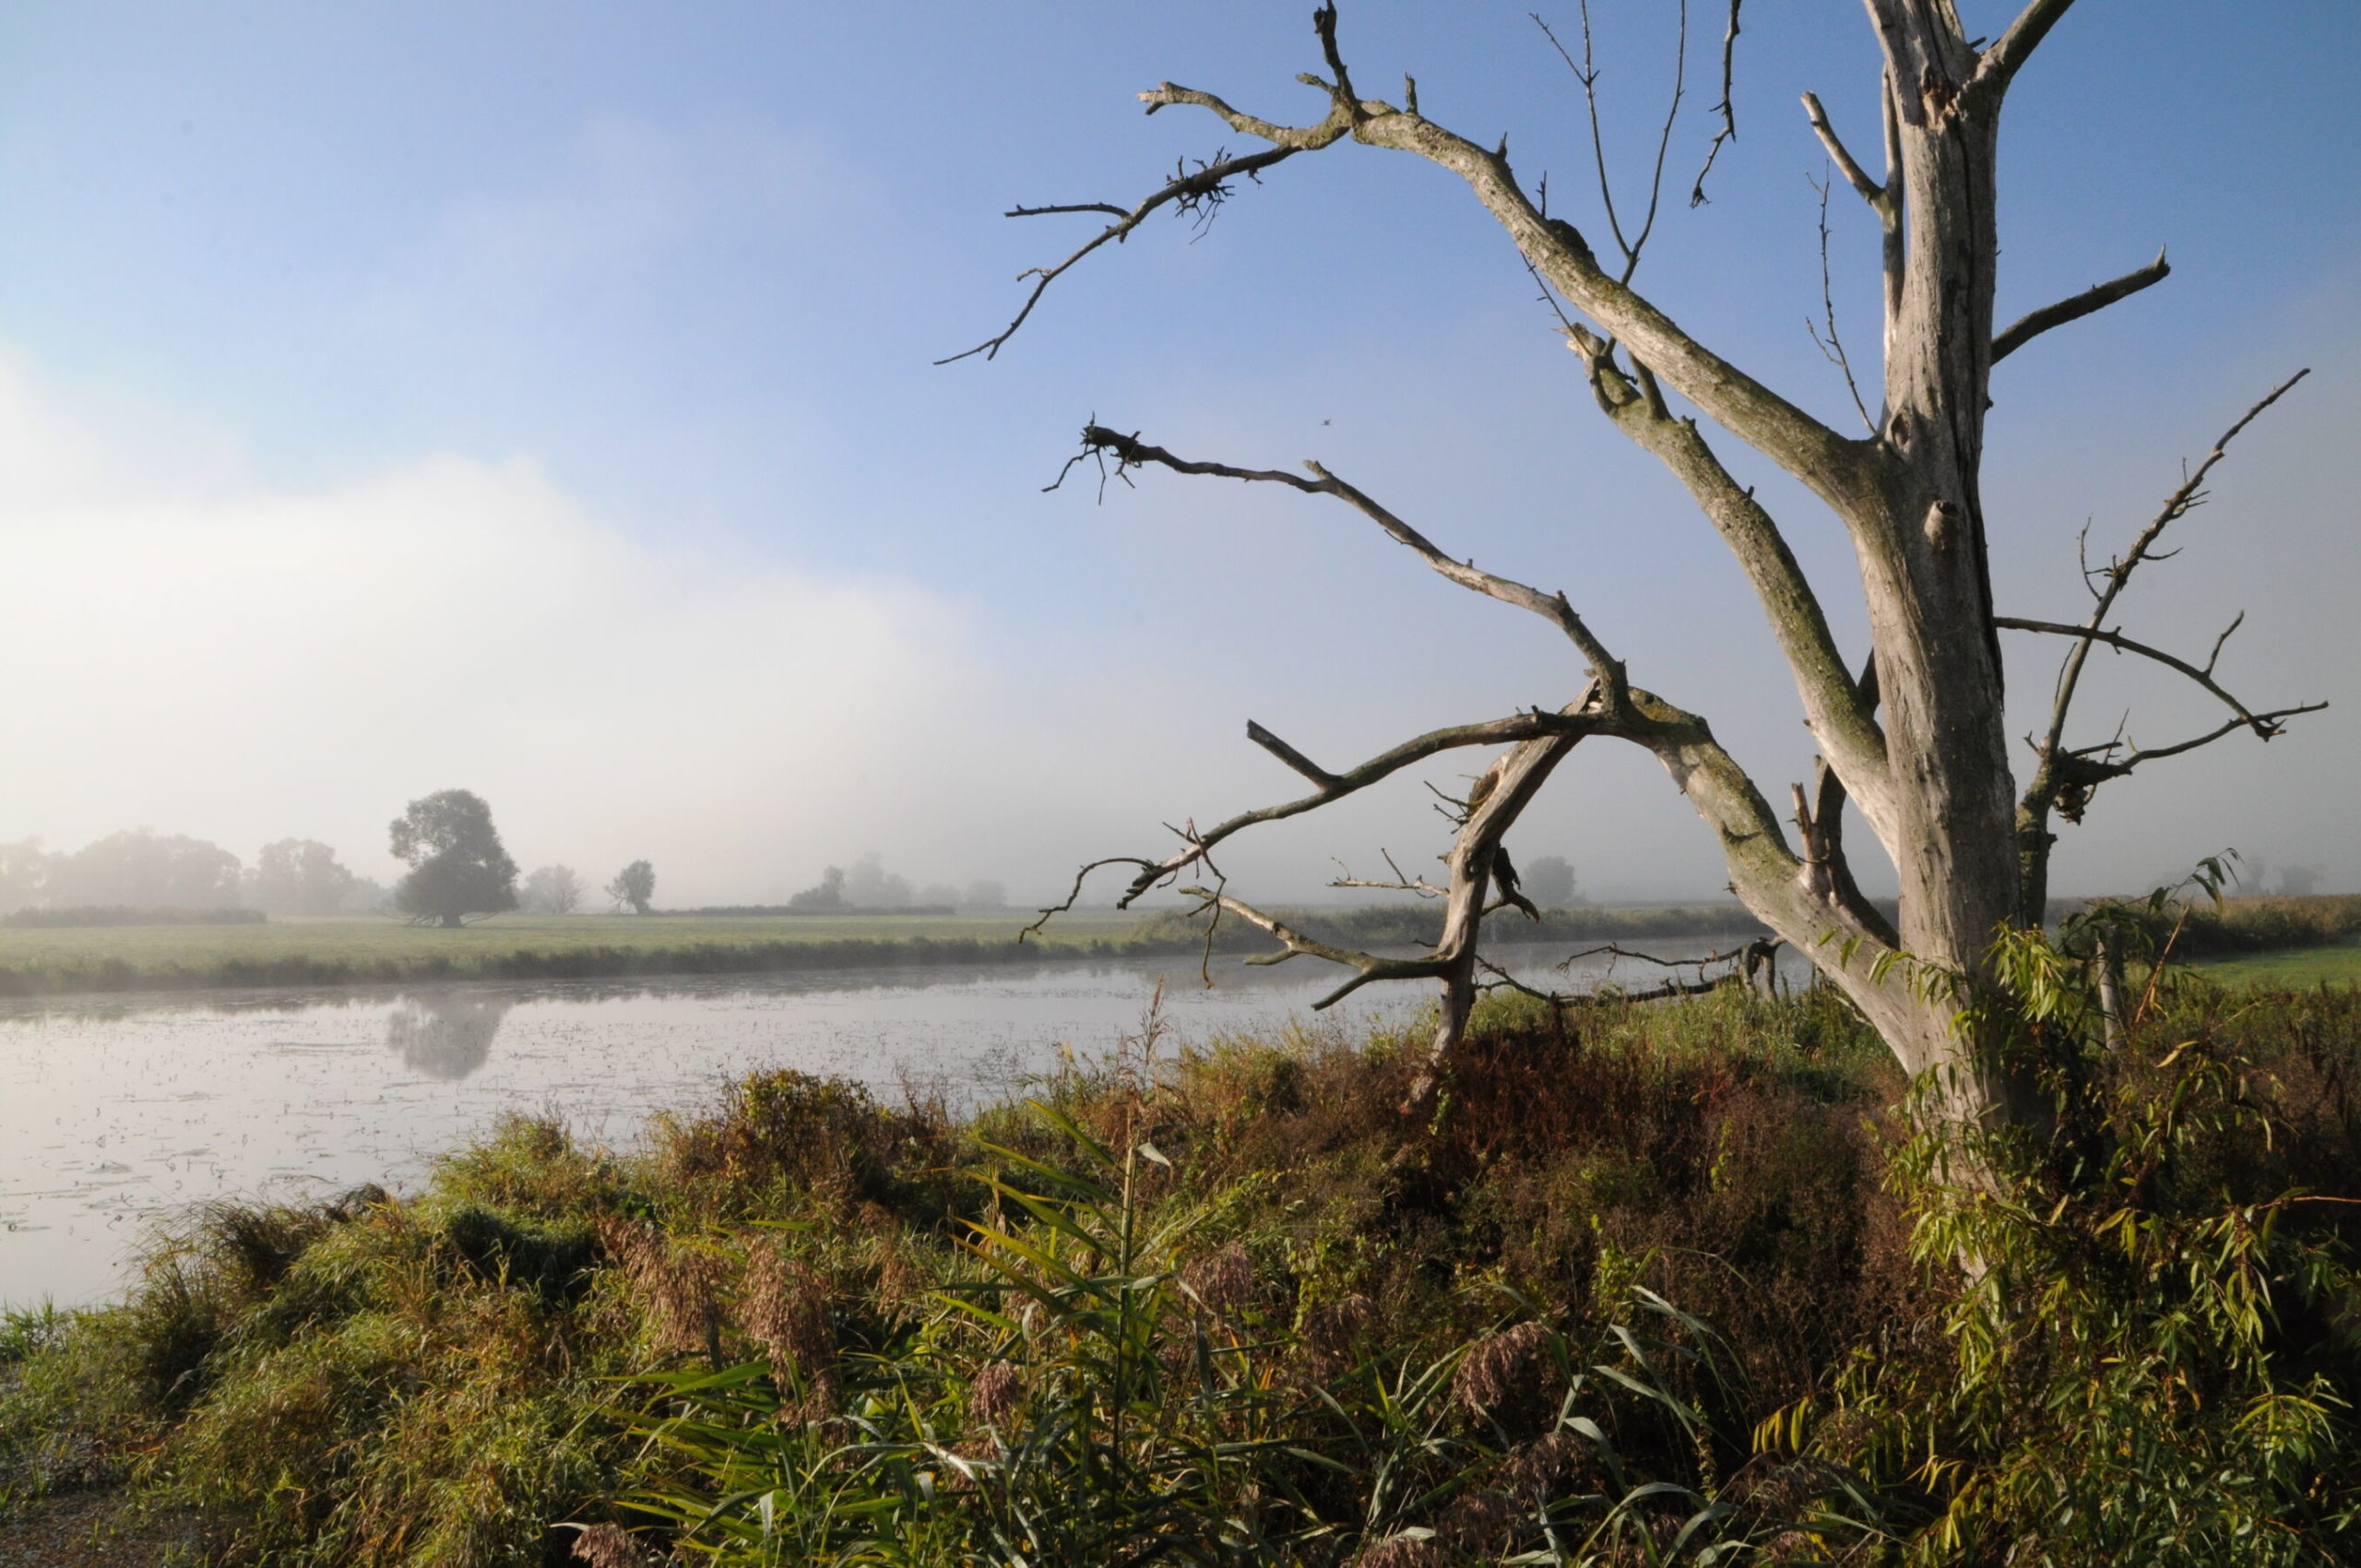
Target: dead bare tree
{"type": "Point", "coordinates": [1914, 737]}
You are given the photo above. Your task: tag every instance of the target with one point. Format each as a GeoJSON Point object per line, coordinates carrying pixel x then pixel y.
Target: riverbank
{"type": "Point", "coordinates": [380, 951]}
{"type": "Point", "coordinates": [1647, 1273]}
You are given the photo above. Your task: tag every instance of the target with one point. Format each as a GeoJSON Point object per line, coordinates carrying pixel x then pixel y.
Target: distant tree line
{"type": "Point", "coordinates": [458, 869]}
{"type": "Point", "coordinates": [141, 869]}
{"type": "Point", "coordinates": [867, 885]}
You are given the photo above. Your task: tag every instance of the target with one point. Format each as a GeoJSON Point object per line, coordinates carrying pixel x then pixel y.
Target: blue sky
{"type": "Point", "coordinates": [539, 397]}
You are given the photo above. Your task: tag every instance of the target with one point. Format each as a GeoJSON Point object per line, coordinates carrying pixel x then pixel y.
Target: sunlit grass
{"type": "Point", "coordinates": [383, 949]}
{"type": "Point", "coordinates": [2300, 968]}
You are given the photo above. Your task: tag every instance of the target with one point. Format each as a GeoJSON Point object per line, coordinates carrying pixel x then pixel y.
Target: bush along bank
{"type": "Point", "coordinates": [1651, 1284]}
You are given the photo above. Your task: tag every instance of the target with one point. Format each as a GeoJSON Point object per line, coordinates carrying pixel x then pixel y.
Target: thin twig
{"type": "Point", "coordinates": [2203, 677]}
{"type": "Point", "coordinates": [1833, 349]}
{"type": "Point", "coordinates": [1726, 110]}
{"type": "Point", "coordinates": [1197, 193]}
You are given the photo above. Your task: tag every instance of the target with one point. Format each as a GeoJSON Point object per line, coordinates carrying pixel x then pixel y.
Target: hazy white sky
{"type": "Point", "coordinates": [537, 398]}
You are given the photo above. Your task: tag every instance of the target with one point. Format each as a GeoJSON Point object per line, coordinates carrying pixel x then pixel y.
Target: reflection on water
{"type": "Point", "coordinates": [116, 1110]}
{"type": "Point", "coordinates": [445, 1034]}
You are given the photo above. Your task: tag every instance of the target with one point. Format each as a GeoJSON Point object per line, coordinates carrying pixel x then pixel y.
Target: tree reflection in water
{"type": "Point", "coordinates": [445, 1034]}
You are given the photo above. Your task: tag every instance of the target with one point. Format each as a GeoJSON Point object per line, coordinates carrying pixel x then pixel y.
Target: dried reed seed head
{"type": "Point", "coordinates": [1550, 1467]}
{"type": "Point", "coordinates": [606, 1546]}
{"type": "Point", "coordinates": [994, 1392]}
{"type": "Point", "coordinates": [1477, 1521]}
{"type": "Point", "coordinates": [1402, 1552]}
{"type": "Point", "coordinates": [1330, 1329]}
{"type": "Point", "coordinates": [1770, 1490]}
{"type": "Point", "coordinates": [1223, 1280]}
{"type": "Point", "coordinates": [678, 1288]}
{"type": "Point", "coordinates": [1499, 1367]}
{"type": "Point", "coordinates": [897, 1280]}
{"type": "Point", "coordinates": [783, 1307]}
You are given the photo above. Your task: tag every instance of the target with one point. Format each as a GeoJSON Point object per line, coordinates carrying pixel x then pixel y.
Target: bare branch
{"type": "Point", "coordinates": [1573, 721]}
{"type": "Point", "coordinates": [1833, 349]}
{"type": "Point", "coordinates": [1854, 176]}
{"type": "Point", "coordinates": [1587, 74]}
{"type": "Point", "coordinates": [1726, 108]}
{"type": "Point", "coordinates": [1836, 469]}
{"type": "Point", "coordinates": [2119, 573]}
{"type": "Point", "coordinates": [1292, 758]}
{"type": "Point", "coordinates": [1107, 207]}
{"type": "Point", "coordinates": [2063, 780]}
{"type": "Point", "coordinates": [1834, 705]}
{"type": "Point", "coordinates": [1366, 966]}
{"type": "Point", "coordinates": [2005, 58]}
{"type": "Point", "coordinates": [1076, 891]}
{"type": "Point", "coordinates": [2135, 755]}
{"type": "Point", "coordinates": [1207, 185]}
{"type": "Point", "coordinates": [1403, 881]}
{"type": "Point", "coordinates": [2203, 676]}
{"type": "Point", "coordinates": [2095, 298]}
{"type": "Point", "coordinates": [1615, 950]}
{"type": "Point", "coordinates": [1130, 451]}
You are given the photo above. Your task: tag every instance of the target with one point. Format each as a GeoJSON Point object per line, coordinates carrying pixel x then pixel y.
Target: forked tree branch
{"type": "Point", "coordinates": [2178, 505]}
{"type": "Point", "coordinates": [1576, 720]}
{"type": "Point", "coordinates": [1206, 184]}
{"type": "Point", "coordinates": [2264, 724]}
{"type": "Point", "coordinates": [1586, 73]}
{"type": "Point", "coordinates": [1130, 451]}
{"type": "Point", "coordinates": [1836, 707]}
{"type": "Point", "coordinates": [2202, 676]}
{"type": "Point", "coordinates": [2097, 297]}
{"type": "Point", "coordinates": [2063, 779]}
{"type": "Point", "coordinates": [1834, 468]}
{"type": "Point", "coordinates": [1366, 966]}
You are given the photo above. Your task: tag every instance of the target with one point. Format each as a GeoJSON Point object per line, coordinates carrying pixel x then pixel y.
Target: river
{"type": "Point", "coordinates": [116, 1112]}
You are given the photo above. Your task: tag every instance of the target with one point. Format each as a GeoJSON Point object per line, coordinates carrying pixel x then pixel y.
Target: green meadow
{"type": "Point", "coordinates": [2293, 968]}
{"type": "Point", "coordinates": [366, 950]}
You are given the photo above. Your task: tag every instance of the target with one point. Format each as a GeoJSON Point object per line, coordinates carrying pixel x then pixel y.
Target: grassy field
{"type": "Point", "coordinates": [366, 950]}
{"type": "Point", "coordinates": [2297, 969]}
{"type": "Point", "coordinates": [2275, 941]}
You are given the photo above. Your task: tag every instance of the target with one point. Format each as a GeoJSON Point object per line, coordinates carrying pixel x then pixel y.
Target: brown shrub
{"type": "Point", "coordinates": [784, 1134]}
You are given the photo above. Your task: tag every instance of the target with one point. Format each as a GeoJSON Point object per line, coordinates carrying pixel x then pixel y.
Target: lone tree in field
{"type": "Point", "coordinates": [457, 867]}
{"type": "Point", "coordinates": [636, 885]}
{"type": "Point", "coordinates": [1911, 735]}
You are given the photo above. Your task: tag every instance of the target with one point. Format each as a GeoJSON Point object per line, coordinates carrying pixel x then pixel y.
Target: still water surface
{"type": "Point", "coordinates": [116, 1112]}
